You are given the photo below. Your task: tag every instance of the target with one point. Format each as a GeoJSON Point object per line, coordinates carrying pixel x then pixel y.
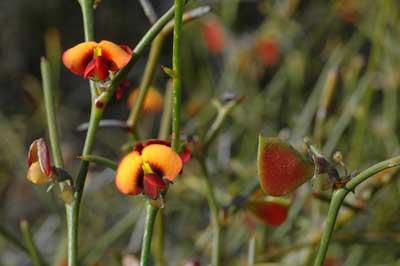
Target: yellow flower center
{"type": "Point", "coordinates": [97, 52]}
{"type": "Point", "coordinates": [147, 168]}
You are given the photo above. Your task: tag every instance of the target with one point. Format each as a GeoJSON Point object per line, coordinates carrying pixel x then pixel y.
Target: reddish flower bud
{"type": "Point", "coordinates": [214, 36]}
{"type": "Point", "coordinates": [268, 52]}
{"type": "Point", "coordinates": [40, 170]}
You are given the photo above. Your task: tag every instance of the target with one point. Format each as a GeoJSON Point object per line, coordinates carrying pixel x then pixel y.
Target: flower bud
{"type": "Point", "coordinates": [39, 169]}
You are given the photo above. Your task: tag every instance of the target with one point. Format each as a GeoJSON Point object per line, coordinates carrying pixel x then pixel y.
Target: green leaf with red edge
{"type": "Point", "coordinates": [270, 210]}
{"type": "Point", "coordinates": [281, 168]}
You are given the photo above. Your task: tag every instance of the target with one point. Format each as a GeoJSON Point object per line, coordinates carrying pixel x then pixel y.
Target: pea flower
{"type": "Point", "coordinates": [95, 60]}
{"type": "Point", "coordinates": [39, 169]}
{"type": "Point", "coordinates": [143, 170]}
{"type": "Point", "coordinates": [214, 35]}
{"type": "Point", "coordinates": [153, 102]}
{"type": "Point", "coordinates": [268, 51]}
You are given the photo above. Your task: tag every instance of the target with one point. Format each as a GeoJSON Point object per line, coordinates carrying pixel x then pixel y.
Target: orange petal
{"type": "Point", "coordinates": [153, 102]}
{"type": "Point", "coordinates": [129, 173]}
{"type": "Point", "coordinates": [36, 175]}
{"type": "Point", "coordinates": [77, 57]}
{"type": "Point", "coordinates": [114, 53]}
{"type": "Point", "coordinates": [163, 159]}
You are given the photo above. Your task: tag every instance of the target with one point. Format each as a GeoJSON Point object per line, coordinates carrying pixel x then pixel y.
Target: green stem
{"type": "Point", "coordinates": [143, 43]}
{"type": "Point", "coordinates": [73, 208]}
{"type": "Point", "coordinates": [223, 112]}
{"type": "Point", "coordinates": [339, 196]}
{"type": "Point", "coordinates": [159, 224]}
{"type": "Point", "coordinates": [100, 160]}
{"type": "Point", "coordinates": [177, 80]}
{"type": "Point", "coordinates": [154, 55]}
{"type": "Point", "coordinates": [87, 15]}
{"type": "Point", "coordinates": [214, 212]}
{"type": "Point", "coordinates": [51, 112]}
{"type": "Point", "coordinates": [30, 245]}
{"type": "Point", "coordinates": [148, 75]}
{"type": "Point", "coordinates": [12, 239]}
{"type": "Point", "coordinates": [151, 213]}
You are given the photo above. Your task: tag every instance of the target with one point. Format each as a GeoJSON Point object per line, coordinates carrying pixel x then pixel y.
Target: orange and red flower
{"type": "Point", "coordinates": [148, 167]}
{"type": "Point", "coordinates": [268, 51]}
{"type": "Point", "coordinates": [94, 60]}
{"type": "Point", "coordinates": [153, 102]}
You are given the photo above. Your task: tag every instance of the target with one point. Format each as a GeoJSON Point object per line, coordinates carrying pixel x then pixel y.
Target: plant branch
{"type": "Point", "coordinates": [36, 257]}
{"type": "Point", "coordinates": [100, 160]}
{"type": "Point", "coordinates": [339, 196]}
{"type": "Point", "coordinates": [177, 79]}
{"type": "Point", "coordinates": [51, 113]}
{"type": "Point", "coordinates": [214, 212]}
{"type": "Point", "coordinates": [151, 213]}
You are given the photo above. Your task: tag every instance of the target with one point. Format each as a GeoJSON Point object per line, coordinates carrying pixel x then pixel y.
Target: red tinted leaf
{"type": "Point", "coordinates": [281, 169]}
{"type": "Point", "coordinates": [272, 211]}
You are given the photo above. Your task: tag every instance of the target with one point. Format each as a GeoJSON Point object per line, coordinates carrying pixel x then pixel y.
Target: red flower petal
{"type": "Point", "coordinates": [152, 184]}
{"type": "Point", "coordinates": [281, 169]}
{"type": "Point", "coordinates": [97, 69]}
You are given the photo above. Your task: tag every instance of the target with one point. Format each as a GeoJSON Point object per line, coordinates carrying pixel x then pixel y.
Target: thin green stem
{"type": "Point", "coordinates": [36, 257]}
{"type": "Point", "coordinates": [143, 43]}
{"type": "Point", "coordinates": [12, 239]}
{"type": "Point", "coordinates": [151, 65]}
{"type": "Point", "coordinates": [223, 112]}
{"type": "Point", "coordinates": [100, 160]}
{"type": "Point", "coordinates": [159, 224]}
{"type": "Point", "coordinates": [151, 213]}
{"type": "Point", "coordinates": [87, 15]}
{"type": "Point", "coordinates": [214, 212]}
{"type": "Point", "coordinates": [148, 75]}
{"type": "Point", "coordinates": [51, 112]}
{"type": "Point", "coordinates": [177, 70]}
{"type": "Point", "coordinates": [73, 208]}
{"type": "Point", "coordinates": [339, 196]}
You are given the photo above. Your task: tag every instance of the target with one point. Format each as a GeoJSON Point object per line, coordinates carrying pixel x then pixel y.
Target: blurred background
{"type": "Point", "coordinates": [323, 69]}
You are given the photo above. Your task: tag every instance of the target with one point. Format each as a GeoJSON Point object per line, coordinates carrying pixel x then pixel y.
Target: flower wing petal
{"type": "Point", "coordinates": [114, 53]}
{"type": "Point", "coordinates": [162, 158]}
{"type": "Point", "coordinates": [77, 57]}
{"type": "Point", "coordinates": [128, 174]}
